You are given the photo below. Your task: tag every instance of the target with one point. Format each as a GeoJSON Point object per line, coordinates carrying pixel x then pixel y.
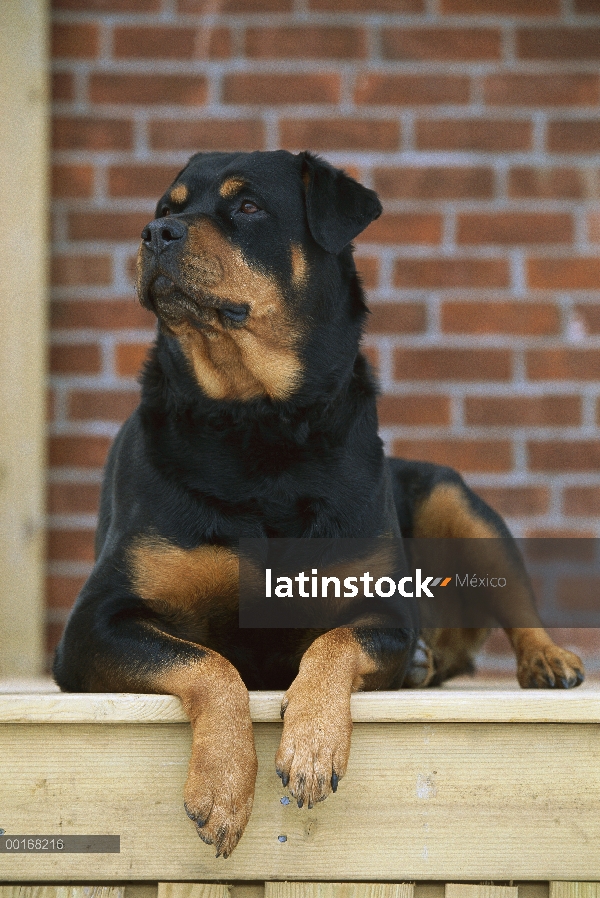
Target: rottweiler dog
{"type": "Point", "coordinates": [258, 419]}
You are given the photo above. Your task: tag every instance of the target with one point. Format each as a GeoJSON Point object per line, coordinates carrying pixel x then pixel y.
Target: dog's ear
{"type": "Point", "coordinates": [337, 206]}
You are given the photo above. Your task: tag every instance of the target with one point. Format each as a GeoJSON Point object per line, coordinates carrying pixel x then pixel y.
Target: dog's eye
{"type": "Point", "coordinates": [249, 208]}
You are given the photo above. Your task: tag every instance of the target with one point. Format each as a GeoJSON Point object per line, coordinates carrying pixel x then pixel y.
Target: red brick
{"type": "Point", "coordinates": [306, 42]}
{"type": "Point", "coordinates": [561, 89]}
{"type": "Point", "coordinates": [112, 226]}
{"type": "Point", "coordinates": [450, 273]}
{"type": "Point", "coordinates": [100, 314]}
{"type": "Point", "coordinates": [371, 353]}
{"type": "Point", "coordinates": [473, 134]}
{"type": "Point", "coordinates": [578, 593]}
{"type": "Point", "coordinates": [148, 90]}
{"type": "Point", "coordinates": [556, 533]}
{"type": "Point", "coordinates": [589, 314]}
{"type": "Point", "coordinates": [130, 357]}
{"type": "Point", "coordinates": [578, 273]}
{"type": "Point", "coordinates": [414, 410]}
{"type": "Point", "coordinates": [368, 270]}
{"type": "Point", "coordinates": [516, 501]}
{"type": "Point", "coordinates": [75, 358]}
{"type": "Point", "coordinates": [593, 223]}
{"type": "Point", "coordinates": [523, 411]}
{"type": "Point", "coordinates": [61, 592]}
{"type": "Point", "coordinates": [207, 134]}
{"type": "Point", "coordinates": [412, 90]}
{"type": "Point", "coordinates": [404, 227]}
{"type": "Point", "coordinates": [563, 455]}
{"type": "Point", "coordinates": [441, 43]}
{"type": "Point", "coordinates": [500, 317]}
{"type": "Point", "coordinates": [563, 364]}
{"type": "Point", "coordinates": [71, 271]}
{"type": "Point", "coordinates": [81, 133]}
{"type": "Point", "coordinates": [63, 87]}
{"type": "Point", "coordinates": [72, 181]}
{"type": "Point", "coordinates": [546, 183]}
{"type": "Point", "coordinates": [559, 43]}
{"type": "Point", "coordinates": [233, 6]}
{"type": "Point", "coordinates": [155, 42]}
{"type": "Point", "coordinates": [514, 227]}
{"type": "Point", "coordinates": [213, 43]}
{"type": "Point", "coordinates": [502, 7]}
{"type": "Point", "coordinates": [369, 6]}
{"type": "Point", "coordinates": [257, 89]}
{"type": "Point", "coordinates": [140, 180]}
{"type": "Point", "coordinates": [78, 451]}
{"type": "Point", "coordinates": [73, 498]}
{"type": "Point", "coordinates": [105, 405]}
{"type": "Point", "coordinates": [397, 318]}
{"type": "Point", "coordinates": [574, 136]}
{"type": "Point", "coordinates": [448, 364]}
{"type": "Point", "coordinates": [582, 501]}
{"type": "Point", "coordinates": [107, 6]}
{"type": "Point", "coordinates": [340, 134]}
{"type": "Point", "coordinates": [432, 183]}
{"type": "Point", "coordinates": [71, 545]}
{"type": "Point", "coordinates": [586, 6]}
{"type": "Point", "coordinates": [79, 40]}
{"type": "Point", "coordinates": [471, 456]}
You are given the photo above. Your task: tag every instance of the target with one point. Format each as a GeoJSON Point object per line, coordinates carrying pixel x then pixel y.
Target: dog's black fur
{"type": "Point", "coordinates": [258, 419]}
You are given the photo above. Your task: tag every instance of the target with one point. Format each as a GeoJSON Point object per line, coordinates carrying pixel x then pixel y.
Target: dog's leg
{"type": "Point", "coordinates": [134, 655]}
{"type": "Point", "coordinates": [315, 745]}
{"type": "Point", "coordinates": [435, 503]}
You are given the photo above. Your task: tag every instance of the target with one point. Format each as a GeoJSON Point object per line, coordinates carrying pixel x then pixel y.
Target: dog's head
{"type": "Point", "coordinates": [248, 262]}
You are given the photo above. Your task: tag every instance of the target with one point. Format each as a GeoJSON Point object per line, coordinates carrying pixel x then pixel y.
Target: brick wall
{"type": "Point", "coordinates": [475, 120]}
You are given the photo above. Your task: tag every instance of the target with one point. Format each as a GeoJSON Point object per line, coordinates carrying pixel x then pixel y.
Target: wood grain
{"type": "Point", "coordinates": [425, 801]}
{"type": "Point", "coordinates": [408, 706]}
{"type": "Point", "coordinates": [575, 889]}
{"type": "Point", "coordinates": [339, 890]}
{"type": "Point", "coordinates": [464, 890]}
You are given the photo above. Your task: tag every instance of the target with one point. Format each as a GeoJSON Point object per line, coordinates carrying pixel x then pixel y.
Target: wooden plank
{"type": "Point", "coordinates": [192, 890]}
{"type": "Point", "coordinates": [407, 706]}
{"type": "Point", "coordinates": [429, 801]}
{"type": "Point", "coordinates": [61, 891]}
{"type": "Point", "coordinates": [23, 175]}
{"type": "Point", "coordinates": [340, 890]}
{"type": "Point", "coordinates": [464, 890]}
{"type": "Point", "coordinates": [575, 889]}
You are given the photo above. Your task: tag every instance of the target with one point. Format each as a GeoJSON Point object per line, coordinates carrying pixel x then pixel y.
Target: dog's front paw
{"type": "Point", "coordinates": [549, 667]}
{"type": "Point", "coordinates": [219, 790]}
{"type": "Point", "coordinates": [315, 745]}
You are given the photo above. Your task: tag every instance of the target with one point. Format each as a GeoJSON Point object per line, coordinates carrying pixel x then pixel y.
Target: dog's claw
{"type": "Point", "coordinates": [334, 782]}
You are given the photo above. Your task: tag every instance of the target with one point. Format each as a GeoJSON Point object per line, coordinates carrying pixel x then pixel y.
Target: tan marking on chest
{"type": "Point", "coordinates": [236, 363]}
{"type": "Point", "coordinates": [179, 194]}
{"type": "Point", "coordinates": [231, 186]}
{"type": "Point", "coordinates": [179, 580]}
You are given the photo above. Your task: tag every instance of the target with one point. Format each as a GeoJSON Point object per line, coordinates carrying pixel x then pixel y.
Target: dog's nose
{"type": "Point", "coordinates": [160, 234]}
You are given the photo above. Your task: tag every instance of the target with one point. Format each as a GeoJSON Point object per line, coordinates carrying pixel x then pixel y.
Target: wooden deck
{"type": "Point", "coordinates": [488, 783]}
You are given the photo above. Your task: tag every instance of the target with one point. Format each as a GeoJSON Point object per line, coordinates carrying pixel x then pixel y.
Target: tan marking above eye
{"type": "Point", "coordinates": [180, 580]}
{"type": "Point", "coordinates": [179, 194]}
{"type": "Point", "coordinates": [231, 186]}
{"type": "Point", "coordinates": [299, 266]}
